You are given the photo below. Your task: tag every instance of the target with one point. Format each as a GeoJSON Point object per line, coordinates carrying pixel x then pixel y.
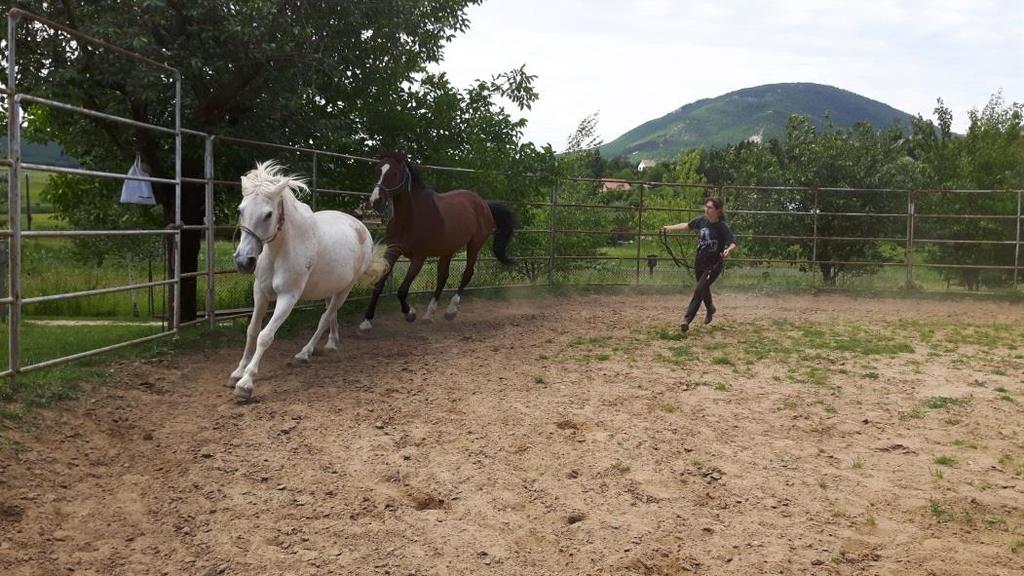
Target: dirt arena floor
{"type": "Point", "coordinates": [556, 435]}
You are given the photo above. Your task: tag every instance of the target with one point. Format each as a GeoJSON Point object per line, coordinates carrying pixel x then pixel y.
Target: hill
{"type": "Point", "coordinates": [49, 153]}
{"type": "Point", "coordinates": [737, 116]}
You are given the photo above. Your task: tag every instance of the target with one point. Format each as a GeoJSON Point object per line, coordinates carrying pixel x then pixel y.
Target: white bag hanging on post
{"type": "Point", "coordinates": [137, 191]}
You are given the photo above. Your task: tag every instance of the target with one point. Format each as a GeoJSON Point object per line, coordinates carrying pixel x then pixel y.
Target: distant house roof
{"type": "Point", "coordinates": [614, 184]}
{"type": "Point", "coordinates": [645, 164]}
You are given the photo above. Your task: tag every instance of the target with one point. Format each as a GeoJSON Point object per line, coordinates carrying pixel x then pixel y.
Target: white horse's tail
{"type": "Point", "coordinates": [377, 269]}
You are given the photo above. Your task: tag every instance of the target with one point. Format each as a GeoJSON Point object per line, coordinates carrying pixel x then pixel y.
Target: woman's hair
{"type": "Point", "coordinates": [719, 205]}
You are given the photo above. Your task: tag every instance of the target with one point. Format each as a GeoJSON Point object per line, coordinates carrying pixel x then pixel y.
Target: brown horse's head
{"type": "Point", "coordinates": [394, 176]}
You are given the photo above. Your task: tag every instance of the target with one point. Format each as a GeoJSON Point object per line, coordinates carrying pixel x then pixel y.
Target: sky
{"type": "Point", "coordinates": [633, 61]}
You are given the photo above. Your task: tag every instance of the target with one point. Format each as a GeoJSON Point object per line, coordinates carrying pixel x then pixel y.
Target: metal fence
{"type": "Point", "coordinates": [572, 231]}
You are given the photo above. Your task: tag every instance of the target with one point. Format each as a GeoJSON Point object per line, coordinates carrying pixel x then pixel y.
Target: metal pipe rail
{"type": "Point", "coordinates": [94, 292]}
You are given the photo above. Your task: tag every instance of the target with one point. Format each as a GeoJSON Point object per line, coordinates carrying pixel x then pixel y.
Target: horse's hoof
{"type": "Point", "coordinates": [410, 317]}
{"type": "Point", "coordinates": [243, 394]}
{"type": "Point", "coordinates": [364, 327]}
{"type": "Point", "coordinates": [232, 380]}
{"type": "Point", "coordinates": [450, 315]}
{"type": "Point", "coordinates": [329, 349]}
{"type": "Point", "coordinates": [301, 359]}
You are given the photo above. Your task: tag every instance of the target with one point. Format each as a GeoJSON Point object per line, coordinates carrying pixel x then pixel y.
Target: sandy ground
{"type": "Point", "coordinates": [536, 437]}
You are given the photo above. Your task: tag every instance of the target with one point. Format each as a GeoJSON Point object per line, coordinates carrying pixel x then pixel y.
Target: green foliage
{"type": "Point", "coordinates": [347, 77]}
{"type": "Point", "coordinates": [989, 157]}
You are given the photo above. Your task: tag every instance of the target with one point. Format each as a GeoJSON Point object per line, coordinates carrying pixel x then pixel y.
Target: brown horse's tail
{"type": "Point", "coordinates": [504, 226]}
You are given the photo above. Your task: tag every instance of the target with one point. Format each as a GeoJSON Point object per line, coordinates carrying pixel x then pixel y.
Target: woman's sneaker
{"type": "Point", "coordinates": [710, 315]}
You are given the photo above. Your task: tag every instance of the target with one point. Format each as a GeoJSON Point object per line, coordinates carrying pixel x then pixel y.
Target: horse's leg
{"type": "Point", "coordinates": [285, 303]}
{"type": "Point", "coordinates": [335, 336]}
{"type": "Point", "coordinates": [259, 310]}
{"type": "Point", "coordinates": [391, 256]}
{"type": "Point", "coordinates": [403, 291]}
{"type": "Point", "coordinates": [442, 279]}
{"type": "Point", "coordinates": [331, 313]}
{"type": "Point", "coordinates": [453, 305]}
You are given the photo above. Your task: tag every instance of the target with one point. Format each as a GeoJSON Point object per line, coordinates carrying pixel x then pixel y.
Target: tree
{"type": "Point", "coordinates": [989, 157]}
{"type": "Point", "coordinates": [860, 157]}
{"type": "Point", "coordinates": [343, 76]}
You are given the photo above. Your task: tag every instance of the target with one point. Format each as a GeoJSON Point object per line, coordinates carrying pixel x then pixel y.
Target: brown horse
{"type": "Point", "coordinates": [426, 224]}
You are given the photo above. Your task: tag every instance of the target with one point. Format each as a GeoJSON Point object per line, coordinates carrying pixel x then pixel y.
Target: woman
{"type": "Point", "coordinates": [714, 243]}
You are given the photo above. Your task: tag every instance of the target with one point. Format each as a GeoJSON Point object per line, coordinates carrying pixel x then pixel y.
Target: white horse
{"type": "Point", "coordinates": [295, 253]}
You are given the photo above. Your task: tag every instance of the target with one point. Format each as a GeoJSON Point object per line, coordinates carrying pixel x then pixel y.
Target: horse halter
{"type": "Point", "coordinates": [407, 179]}
{"type": "Point", "coordinates": [280, 224]}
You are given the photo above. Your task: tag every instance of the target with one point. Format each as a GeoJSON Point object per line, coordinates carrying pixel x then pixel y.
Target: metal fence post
{"type": "Point", "coordinates": [639, 231]}
{"type": "Point", "coordinates": [178, 230]}
{"type": "Point", "coordinates": [4, 293]}
{"type": "Point", "coordinates": [1016, 246]}
{"type": "Point", "coordinates": [316, 203]}
{"type": "Point", "coordinates": [552, 220]}
{"type": "Point", "coordinates": [13, 203]}
{"type": "Point", "coordinates": [28, 203]}
{"type": "Point", "coordinates": [910, 239]}
{"type": "Point", "coordinates": [814, 246]}
{"type": "Point", "coordinates": [211, 253]}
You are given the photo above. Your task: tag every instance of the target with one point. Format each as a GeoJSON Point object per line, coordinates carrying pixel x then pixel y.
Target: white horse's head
{"type": "Point", "coordinates": [262, 212]}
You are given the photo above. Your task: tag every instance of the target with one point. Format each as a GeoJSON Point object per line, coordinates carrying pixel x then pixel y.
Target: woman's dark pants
{"type": "Point", "coordinates": [706, 269]}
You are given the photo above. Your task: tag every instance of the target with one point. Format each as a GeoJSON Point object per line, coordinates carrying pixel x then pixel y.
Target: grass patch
{"type": "Point", "coordinates": [671, 335]}
{"type": "Point", "coordinates": [963, 443]}
{"type": "Point", "coordinates": [682, 352]}
{"type": "Point", "coordinates": [940, 512]}
{"type": "Point", "coordinates": [915, 413]}
{"type": "Point", "coordinates": [592, 341]}
{"type": "Point", "coordinates": [620, 466]}
{"type": "Point", "coordinates": [944, 460]}
{"type": "Point", "coordinates": [942, 402]}
{"type": "Point", "coordinates": [817, 376]}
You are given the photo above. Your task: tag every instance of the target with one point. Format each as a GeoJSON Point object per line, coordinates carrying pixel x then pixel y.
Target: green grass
{"type": "Point", "coordinates": [591, 341]}
{"type": "Point", "coordinates": [942, 402]}
{"type": "Point", "coordinates": [940, 511]}
{"type": "Point", "coordinates": [44, 387]}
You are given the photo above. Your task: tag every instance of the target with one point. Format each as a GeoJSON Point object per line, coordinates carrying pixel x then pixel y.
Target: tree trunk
{"type": "Point", "coordinates": [829, 274]}
{"type": "Point", "coordinates": [193, 200]}
{"type": "Point", "coordinates": [969, 277]}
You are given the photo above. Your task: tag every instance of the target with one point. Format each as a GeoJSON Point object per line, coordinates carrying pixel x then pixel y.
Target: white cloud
{"type": "Point", "coordinates": [635, 61]}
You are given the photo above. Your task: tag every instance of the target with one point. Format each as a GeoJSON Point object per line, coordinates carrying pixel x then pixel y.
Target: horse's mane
{"type": "Point", "coordinates": [267, 180]}
{"type": "Point", "coordinates": [414, 169]}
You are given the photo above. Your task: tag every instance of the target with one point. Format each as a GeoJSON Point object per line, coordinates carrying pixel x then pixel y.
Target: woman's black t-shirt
{"type": "Point", "coordinates": [712, 238]}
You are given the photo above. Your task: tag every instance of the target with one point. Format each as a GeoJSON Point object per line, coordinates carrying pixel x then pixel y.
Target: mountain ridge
{"type": "Point", "coordinates": [759, 111]}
